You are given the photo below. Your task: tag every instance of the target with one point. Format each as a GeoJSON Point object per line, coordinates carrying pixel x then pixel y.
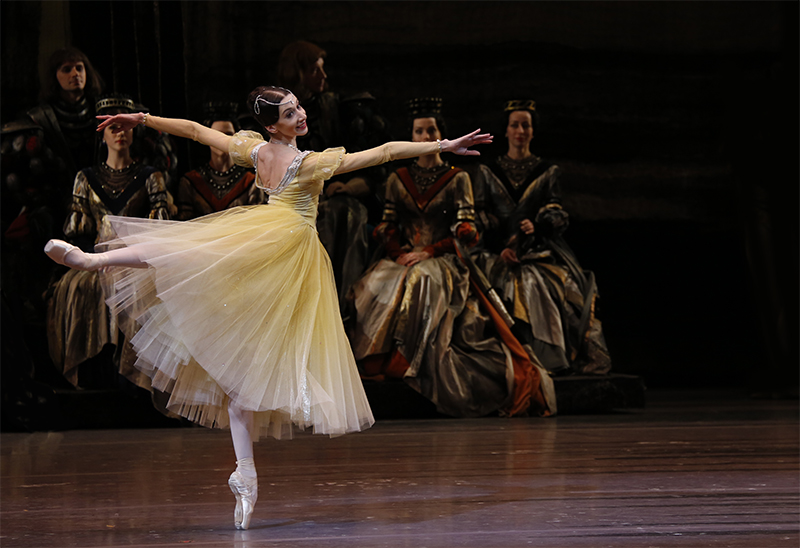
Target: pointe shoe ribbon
{"type": "Point", "coordinates": [246, 492]}
{"type": "Point", "coordinates": [72, 256]}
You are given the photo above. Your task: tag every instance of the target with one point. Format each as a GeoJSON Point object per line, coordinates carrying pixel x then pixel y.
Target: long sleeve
{"type": "Point", "coordinates": [388, 152]}
{"type": "Point", "coordinates": [185, 200]}
{"type": "Point", "coordinates": [464, 227]}
{"type": "Point", "coordinates": [387, 232]}
{"type": "Point", "coordinates": [347, 162]}
{"type": "Point", "coordinates": [80, 221]}
{"type": "Point", "coordinates": [157, 192]}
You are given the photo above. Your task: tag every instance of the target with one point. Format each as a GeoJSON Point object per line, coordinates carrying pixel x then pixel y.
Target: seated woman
{"type": "Point", "coordinates": [219, 184]}
{"type": "Point", "coordinates": [550, 296]}
{"type": "Point", "coordinates": [79, 323]}
{"type": "Point", "coordinates": [415, 315]}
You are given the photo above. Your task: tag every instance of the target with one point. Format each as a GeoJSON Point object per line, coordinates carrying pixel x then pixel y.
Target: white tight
{"type": "Point", "coordinates": [124, 256]}
{"type": "Point", "coordinates": [241, 428]}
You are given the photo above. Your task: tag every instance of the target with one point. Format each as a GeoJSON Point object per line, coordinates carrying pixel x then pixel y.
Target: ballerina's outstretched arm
{"type": "Point", "coordinates": [173, 126]}
{"type": "Point", "coordinates": [69, 255]}
{"type": "Point", "coordinates": [399, 150]}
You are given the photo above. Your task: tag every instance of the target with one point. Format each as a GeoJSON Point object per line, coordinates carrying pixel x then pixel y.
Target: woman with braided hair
{"type": "Point", "coordinates": [258, 366]}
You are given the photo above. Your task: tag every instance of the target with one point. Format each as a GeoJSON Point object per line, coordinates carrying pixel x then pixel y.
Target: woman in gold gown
{"type": "Point", "coordinates": [416, 316]}
{"type": "Point", "coordinates": [79, 323]}
{"type": "Point", "coordinates": [551, 297]}
{"type": "Point", "coordinates": [257, 365]}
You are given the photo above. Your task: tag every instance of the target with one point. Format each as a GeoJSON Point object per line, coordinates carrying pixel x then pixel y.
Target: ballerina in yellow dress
{"type": "Point", "coordinates": [237, 313]}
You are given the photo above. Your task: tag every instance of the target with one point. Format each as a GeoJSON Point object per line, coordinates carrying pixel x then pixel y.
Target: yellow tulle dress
{"type": "Point", "coordinates": [242, 305]}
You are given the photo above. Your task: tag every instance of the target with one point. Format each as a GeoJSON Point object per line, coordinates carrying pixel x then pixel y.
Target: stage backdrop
{"type": "Point", "coordinates": [675, 124]}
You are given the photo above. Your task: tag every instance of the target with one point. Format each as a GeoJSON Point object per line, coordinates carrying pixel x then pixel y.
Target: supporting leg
{"type": "Point", "coordinates": [244, 480]}
{"type": "Point", "coordinates": [241, 426]}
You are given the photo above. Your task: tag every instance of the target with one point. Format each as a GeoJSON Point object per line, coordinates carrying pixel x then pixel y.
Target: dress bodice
{"type": "Point", "coordinates": [426, 218]}
{"type": "Point", "coordinates": [137, 191]}
{"type": "Point", "coordinates": [300, 188]}
{"type": "Point", "coordinates": [303, 181]}
{"type": "Point", "coordinates": [300, 195]}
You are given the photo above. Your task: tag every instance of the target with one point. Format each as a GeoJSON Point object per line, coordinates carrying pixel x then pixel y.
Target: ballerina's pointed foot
{"type": "Point", "coordinates": [246, 492]}
{"type": "Point", "coordinates": [71, 256]}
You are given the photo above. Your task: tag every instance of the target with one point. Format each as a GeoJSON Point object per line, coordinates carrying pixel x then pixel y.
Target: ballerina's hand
{"type": "Point", "coordinates": [461, 145]}
{"type": "Point", "coordinates": [119, 122]}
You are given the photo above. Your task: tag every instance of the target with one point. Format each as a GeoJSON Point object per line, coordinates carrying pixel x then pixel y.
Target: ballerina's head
{"type": "Point", "coordinates": [278, 111]}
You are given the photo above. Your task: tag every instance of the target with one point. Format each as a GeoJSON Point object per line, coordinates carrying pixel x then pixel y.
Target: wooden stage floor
{"type": "Point", "coordinates": [691, 469]}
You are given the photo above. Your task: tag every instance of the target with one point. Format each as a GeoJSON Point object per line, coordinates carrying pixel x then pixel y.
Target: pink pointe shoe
{"type": "Point", "coordinates": [246, 492]}
{"type": "Point", "coordinates": [71, 256]}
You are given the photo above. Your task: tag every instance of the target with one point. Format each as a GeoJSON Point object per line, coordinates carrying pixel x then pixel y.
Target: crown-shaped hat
{"type": "Point", "coordinates": [423, 106]}
{"type": "Point", "coordinates": [220, 110]}
{"type": "Point", "coordinates": [116, 102]}
{"type": "Point", "coordinates": [520, 104]}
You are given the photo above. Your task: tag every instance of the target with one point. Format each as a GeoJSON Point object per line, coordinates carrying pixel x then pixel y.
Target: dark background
{"type": "Point", "coordinates": [675, 124]}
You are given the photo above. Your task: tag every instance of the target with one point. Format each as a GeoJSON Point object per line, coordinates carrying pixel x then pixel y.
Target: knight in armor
{"type": "Point", "coordinates": [66, 113]}
{"type": "Point", "coordinates": [552, 299]}
{"type": "Point", "coordinates": [220, 183]}
{"type": "Point", "coordinates": [351, 205]}
{"type": "Point", "coordinates": [79, 323]}
{"type": "Point", "coordinates": [41, 153]}
{"type": "Point", "coordinates": [418, 316]}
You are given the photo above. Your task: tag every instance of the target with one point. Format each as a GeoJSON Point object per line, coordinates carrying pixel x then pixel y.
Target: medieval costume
{"type": "Point", "coordinates": [425, 323]}
{"type": "Point", "coordinates": [79, 323]}
{"type": "Point", "coordinates": [206, 190]}
{"type": "Point", "coordinates": [549, 295]}
{"type": "Point", "coordinates": [219, 183]}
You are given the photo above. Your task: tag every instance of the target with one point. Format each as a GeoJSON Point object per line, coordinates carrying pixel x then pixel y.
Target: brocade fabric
{"type": "Point", "coordinates": [549, 293]}
{"type": "Point", "coordinates": [79, 323]}
{"type": "Point", "coordinates": [427, 313]}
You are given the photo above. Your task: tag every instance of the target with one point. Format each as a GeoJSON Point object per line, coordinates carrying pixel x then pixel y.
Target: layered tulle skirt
{"type": "Point", "coordinates": [239, 305]}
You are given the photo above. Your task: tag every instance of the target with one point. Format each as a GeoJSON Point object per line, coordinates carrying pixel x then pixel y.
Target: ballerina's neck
{"type": "Point", "coordinates": [290, 144]}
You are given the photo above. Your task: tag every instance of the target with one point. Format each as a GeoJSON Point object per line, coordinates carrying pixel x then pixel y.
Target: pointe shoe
{"type": "Point", "coordinates": [71, 256]}
{"type": "Point", "coordinates": [246, 493]}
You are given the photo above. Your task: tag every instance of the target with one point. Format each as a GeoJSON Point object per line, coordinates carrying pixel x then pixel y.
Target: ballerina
{"type": "Point", "coordinates": [258, 366]}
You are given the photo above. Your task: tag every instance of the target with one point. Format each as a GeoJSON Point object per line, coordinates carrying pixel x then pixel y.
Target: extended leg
{"type": "Point", "coordinates": [73, 257]}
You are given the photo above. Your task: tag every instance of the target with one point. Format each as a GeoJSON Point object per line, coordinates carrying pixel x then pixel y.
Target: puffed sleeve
{"type": "Point", "coordinates": [80, 221]}
{"type": "Point", "coordinates": [327, 163]}
{"type": "Point", "coordinates": [243, 147]}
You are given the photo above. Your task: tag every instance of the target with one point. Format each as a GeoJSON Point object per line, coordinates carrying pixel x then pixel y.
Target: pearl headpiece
{"type": "Point", "coordinates": [257, 110]}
